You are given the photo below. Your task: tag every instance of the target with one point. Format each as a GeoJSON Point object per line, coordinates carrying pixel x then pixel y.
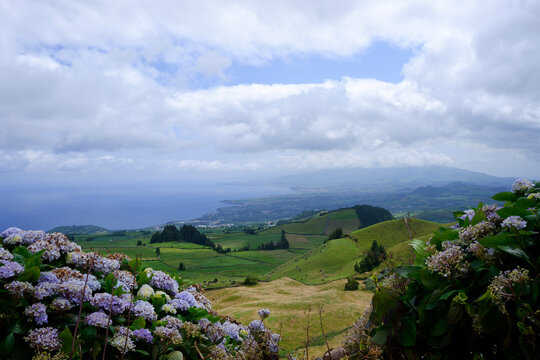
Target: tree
{"type": "Point", "coordinates": [181, 267]}
{"type": "Point", "coordinates": [284, 242]}
{"type": "Point", "coordinates": [351, 284]}
{"type": "Point", "coordinates": [158, 252]}
{"type": "Point", "coordinates": [139, 243]}
{"type": "Point", "coordinates": [372, 259]}
{"type": "Point", "coordinates": [336, 234]}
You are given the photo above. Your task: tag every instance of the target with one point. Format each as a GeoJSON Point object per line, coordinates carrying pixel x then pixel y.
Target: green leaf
{"type": "Point", "coordinates": [139, 323]}
{"type": "Point", "coordinates": [21, 250]}
{"type": "Point", "coordinates": [478, 217]}
{"type": "Point", "coordinates": [408, 331]}
{"type": "Point", "coordinates": [145, 353]}
{"type": "Point", "coordinates": [440, 326]}
{"type": "Point", "coordinates": [419, 248]}
{"type": "Point", "coordinates": [512, 211]}
{"type": "Point", "coordinates": [31, 275]}
{"type": "Point", "coordinates": [446, 295]}
{"type": "Point", "coordinates": [535, 290]}
{"type": "Point", "coordinates": [67, 340]}
{"type": "Point", "coordinates": [383, 304]}
{"type": "Point", "coordinates": [455, 313]}
{"type": "Point", "coordinates": [432, 281]}
{"type": "Point", "coordinates": [380, 336]}
{"type": "Point", "coordinates": [515, 251]}
{"type": "Point", "coordinates": [110, 283]}
{"type": "Point", "coordinates": [34, 260]}
{"type": "Point", "coordinates": [96, 349]}
{"type": "Point", "coordinates": [500, 239]}
{"type": "Point", "coordinates": [525, 203]}
{"type": "Point", "coordinates": [88, 333]}
{"type": "Point", "coordinates": [504, 196]}
{"type": "Point", "coordinates": [406, 270]}
{"type": "Point", "coordinates": [7, 344]}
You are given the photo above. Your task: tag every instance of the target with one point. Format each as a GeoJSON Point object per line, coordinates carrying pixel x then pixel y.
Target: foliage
{"type": "Point", "coordinates": [473, 290]}
{"type": "Point", "coordinates": [370, 215]}
{"type": "Point", "coordinates": [274, 245]}
{"type": "Point", "coordinates": [351, 284]}
{"type": "Point", "coordinates": [336, 234]}
{"type": "Point", "coordinates": [60, 302]}
{"type": "Point", "coordinates": [372, 258]}
{"type": "Point", "coordinates": [251, 280]}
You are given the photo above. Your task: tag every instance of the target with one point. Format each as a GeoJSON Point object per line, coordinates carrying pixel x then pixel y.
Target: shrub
{"type": "Point", "coordinates": [251, 280]}
{"type": "Point", "coordinates": [351, 284]}
{"type": "Point", "coordinates": [473, 291]}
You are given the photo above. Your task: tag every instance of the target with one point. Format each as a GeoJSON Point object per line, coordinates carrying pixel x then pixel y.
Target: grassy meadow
{"type": "Point", "coordinates": [289, 301]}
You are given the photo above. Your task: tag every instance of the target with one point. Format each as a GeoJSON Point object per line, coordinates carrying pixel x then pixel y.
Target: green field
{"type": "Point", "coordinates": [309, 259]}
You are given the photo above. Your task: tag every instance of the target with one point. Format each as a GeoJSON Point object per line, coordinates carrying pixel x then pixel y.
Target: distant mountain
{"type": "Point", "coordinates": [388, 178]}
{"type": "Point", "coordinates": [79, 229]}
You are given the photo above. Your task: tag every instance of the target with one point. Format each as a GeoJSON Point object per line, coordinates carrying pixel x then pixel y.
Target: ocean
{"type": "Point", "coordinates": [117, 207]}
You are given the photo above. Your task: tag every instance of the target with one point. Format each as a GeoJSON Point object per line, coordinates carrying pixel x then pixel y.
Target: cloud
{"type": "Point", "coordinates": [147, 81]}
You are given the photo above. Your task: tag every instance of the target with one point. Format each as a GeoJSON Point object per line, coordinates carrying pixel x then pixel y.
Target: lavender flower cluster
{"type": "Point", "coordinates": [61, 289]}
{"type": "Point", "coordinates": [449, 262]}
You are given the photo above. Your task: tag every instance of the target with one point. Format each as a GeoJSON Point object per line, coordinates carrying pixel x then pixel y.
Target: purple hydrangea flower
{"type": "Point", "coordinates": [37, 312]}
{"type": "Point", "coordinates": [18, 288]}
{"type": "Point", "coordinates": [119, 303]}
{"type": "Point", "coordinates": [11, 231]}
{"type": "Point", "coordinates": [515, 222]}
{"type": "Point", "coordinates": [264, 313]}
{"type": "Point", "coordinates": [5, 255]}
{"type": "Point", "coordinates": [256, 325]}
{"type": "Point", "coordinates": [60, 305]}
{"type": "Point", "coordinates": [98, 319]}
{"type": "Point", "coordinates": [522, 186]}
{"type": "Point", "coordinates": [44, 339]}
{"type": "Point", "coordinates": [31, 236]}
{"type": "Point", "coordinates": [232, 330]}
{"type": "Point", "coordinates": [145, 309]}
{"type": "Point", "coordinates": [179, 304]}
{"type": "Point", "coordinates": [163, 281]}
{"type": "Point", "coordinates": [10, 269]}
{"type": "Point", "coordinates": [143, 335]}
{"type": "Point", "coordinates": [189, 298]}
{"type": "Point", "coordinates": [215, 332]}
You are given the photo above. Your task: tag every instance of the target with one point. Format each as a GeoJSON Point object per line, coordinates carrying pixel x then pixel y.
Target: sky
{"type": "Point", "coordinates": [142, 91]}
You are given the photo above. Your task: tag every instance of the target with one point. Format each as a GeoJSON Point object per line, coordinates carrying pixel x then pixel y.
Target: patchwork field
{"type": "Point", "coordinates": [289, 301]}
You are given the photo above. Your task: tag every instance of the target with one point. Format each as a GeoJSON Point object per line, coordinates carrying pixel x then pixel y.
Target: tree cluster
{"type": "Point", "coordinates": [372, 259]}
{"type": "Point", "coordinates": [274, 245]}
{"type": "Point", "coordinates": [187, 233]}
{"type": "Point", "coordinates": [370, 215]}
{"type": "Point", "coordinates": [336, 234]}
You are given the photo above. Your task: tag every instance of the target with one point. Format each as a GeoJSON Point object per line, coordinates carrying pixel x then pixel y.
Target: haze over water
{"type": "Point", "coordinates": [117, 207]}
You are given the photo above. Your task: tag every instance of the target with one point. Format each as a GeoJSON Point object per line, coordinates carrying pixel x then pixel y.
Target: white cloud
{"type": "Point", "coordinates": [81, 80]}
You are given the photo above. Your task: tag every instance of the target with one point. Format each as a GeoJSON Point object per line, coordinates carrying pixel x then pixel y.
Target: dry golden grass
{"type": "Point", "coordinates": [289, 300]}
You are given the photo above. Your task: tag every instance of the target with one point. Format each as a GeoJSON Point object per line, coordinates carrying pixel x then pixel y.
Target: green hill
{"type": "Point", "coordinates": [323, 223]}
{"type": "Point", "coordinates": [79, 229]}
{"type": "Point", "coordinates": [335, 259]}
{"type": "Point", "coordinates": [393, 232]}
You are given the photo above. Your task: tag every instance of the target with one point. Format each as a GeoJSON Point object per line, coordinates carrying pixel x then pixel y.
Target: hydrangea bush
{"type": "Point", "coordinates": [472, 292]}
{"type": "Point", "coordinates": [58, 302]}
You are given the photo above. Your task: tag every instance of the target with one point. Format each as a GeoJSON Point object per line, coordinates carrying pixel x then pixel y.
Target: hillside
{"type": "Point", "coordinates": [335, 259]}
{"type": "Point", "coordinates": [324, 223]}
{"type": "Point", "coordinates": [79, 230]}
{"type": "Point", "coordinates": [393, 232]}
